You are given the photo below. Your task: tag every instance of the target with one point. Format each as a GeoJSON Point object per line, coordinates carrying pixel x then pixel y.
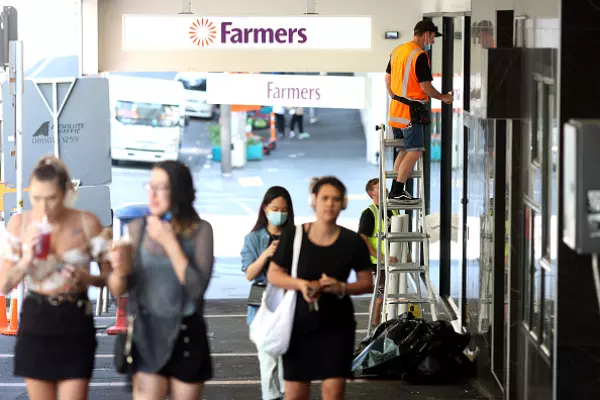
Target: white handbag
{"type": "Point", "coordinates": [271, 328]}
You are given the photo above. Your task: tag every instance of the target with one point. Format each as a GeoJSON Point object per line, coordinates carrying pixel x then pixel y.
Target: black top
{"type": "Point", "coordinates": [337, 260]}
{"type": "Point", "coordinates": [423, 70]}
{"type": "Point", "coordinates": [366, 226]}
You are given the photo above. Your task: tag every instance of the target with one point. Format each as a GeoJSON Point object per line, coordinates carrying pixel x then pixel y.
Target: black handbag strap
{"type": "Point", "coordinates": [132, 305]}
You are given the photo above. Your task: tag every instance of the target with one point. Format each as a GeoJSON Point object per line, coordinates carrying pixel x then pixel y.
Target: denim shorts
{"type": "Point", "coordinates": [413, 135]}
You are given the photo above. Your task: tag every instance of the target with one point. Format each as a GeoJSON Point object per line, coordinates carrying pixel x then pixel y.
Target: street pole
{"type": "Point", "coordinates": [226, 167]}
{"type": "Point", "coordinates": [16, 58]}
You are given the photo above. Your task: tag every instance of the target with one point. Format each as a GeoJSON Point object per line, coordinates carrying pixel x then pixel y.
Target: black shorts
{"type": "Point", "coordinates": [55, 342]}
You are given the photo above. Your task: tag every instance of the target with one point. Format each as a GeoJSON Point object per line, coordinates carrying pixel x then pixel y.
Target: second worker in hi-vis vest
{"type": "Point", "coordinates": [370, 221]}
{"type": "Point", "coordinates": [408, 81]}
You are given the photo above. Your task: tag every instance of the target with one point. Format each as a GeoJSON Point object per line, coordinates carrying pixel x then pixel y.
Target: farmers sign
{"type": "Point", "coordinates": [174, 32]}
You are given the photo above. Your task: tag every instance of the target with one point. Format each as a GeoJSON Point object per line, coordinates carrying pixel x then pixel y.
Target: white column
{"type": "Point", "coordinates": [88, 45]}
{"type": "Point", "coordinates": [375, 113]}
{"type": "Point", "coordinates": [238, 139]}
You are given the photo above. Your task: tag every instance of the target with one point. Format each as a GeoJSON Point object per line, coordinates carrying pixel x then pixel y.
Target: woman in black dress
{"type": "Point", "coordinates": [166, 277]}
{"type": "Point", "coordinates": [322, 339]}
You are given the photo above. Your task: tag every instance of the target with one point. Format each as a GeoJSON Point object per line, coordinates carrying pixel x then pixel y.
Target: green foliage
{"type": "Point", "coordinates": [214, 133]}
{"type": "Point", "coordinates": [253, 140]}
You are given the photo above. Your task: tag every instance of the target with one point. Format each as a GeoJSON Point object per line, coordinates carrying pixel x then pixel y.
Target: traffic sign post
{"type": "Point", "coordinates": [11, 53]}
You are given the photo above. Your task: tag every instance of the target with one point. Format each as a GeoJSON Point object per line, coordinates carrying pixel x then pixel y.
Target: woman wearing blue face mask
{"type": "Point", "coordinates": [275, 214]}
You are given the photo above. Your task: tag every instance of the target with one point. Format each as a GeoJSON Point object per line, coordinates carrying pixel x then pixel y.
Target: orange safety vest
{"type": "Point", "coordinates": [404, 83]}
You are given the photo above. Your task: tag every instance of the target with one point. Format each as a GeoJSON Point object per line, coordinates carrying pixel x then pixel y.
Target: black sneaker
{"type": "Point", "coordinates": [404, 197]}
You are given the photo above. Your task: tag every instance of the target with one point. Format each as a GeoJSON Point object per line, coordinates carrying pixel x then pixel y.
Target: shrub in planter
{"type": "Point", "coordinates": [254, 148]}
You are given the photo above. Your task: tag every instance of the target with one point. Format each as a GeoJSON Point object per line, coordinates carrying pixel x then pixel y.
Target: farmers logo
{"type": "Point", "coordinates": [203, 32]}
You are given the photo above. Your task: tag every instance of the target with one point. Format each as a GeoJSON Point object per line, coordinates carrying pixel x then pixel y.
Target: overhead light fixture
{"type": "Point", "coordinates": [186, 4]}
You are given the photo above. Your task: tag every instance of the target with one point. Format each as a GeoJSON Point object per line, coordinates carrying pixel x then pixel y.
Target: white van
{"type": "Point", "coordinates": [195, 89]}
{"type": "Point", "coordinates": [147, 118]}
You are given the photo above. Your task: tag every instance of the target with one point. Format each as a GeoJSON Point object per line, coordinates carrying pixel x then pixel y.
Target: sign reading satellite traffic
{"type": "Point", "coordinates": [83, 128]}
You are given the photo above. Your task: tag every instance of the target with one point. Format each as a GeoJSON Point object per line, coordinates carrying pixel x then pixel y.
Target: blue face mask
{"type": "Point", "coordinates": [427, 47]}
{"type": "Point", "coordinates": [277, 218]}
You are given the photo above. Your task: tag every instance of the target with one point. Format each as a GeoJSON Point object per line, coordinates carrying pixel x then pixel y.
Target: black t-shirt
{"type": "Point", "coordinates": [366, 225]}
{"type": "Point", "coordinates": [272, 238]}
{"type": "Point", "coordinates": [423, 70]}
{"type": "Point", "coordinates": [349, 252]}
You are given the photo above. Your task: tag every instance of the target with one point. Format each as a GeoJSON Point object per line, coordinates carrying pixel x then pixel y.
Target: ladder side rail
{"type": "Point", "coordinates": [379, 233]}
{"type": "Point", "coordinates": [384, 228]}
{"type": "Point", "coordinates": [431, 294]}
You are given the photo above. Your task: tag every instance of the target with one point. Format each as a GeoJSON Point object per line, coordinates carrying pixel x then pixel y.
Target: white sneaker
{"type": "Point", "coordinates": [313, 120]}
{"type": "Point", "coordinates": [292, 134]}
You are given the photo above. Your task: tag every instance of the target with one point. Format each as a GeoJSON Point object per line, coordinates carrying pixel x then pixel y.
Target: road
{"type": "Point", "coordinates": [336, 147]}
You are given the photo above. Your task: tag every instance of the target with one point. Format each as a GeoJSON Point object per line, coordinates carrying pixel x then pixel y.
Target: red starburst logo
{"type": "Point", "coordinates": [203, 32]}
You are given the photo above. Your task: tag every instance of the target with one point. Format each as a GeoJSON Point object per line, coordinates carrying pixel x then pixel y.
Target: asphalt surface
{"type": "Point", "coordinates": [336, 147]}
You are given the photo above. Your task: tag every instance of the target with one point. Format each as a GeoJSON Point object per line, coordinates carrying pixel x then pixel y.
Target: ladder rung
{"type": "Point", "coordinates": [394, 174]}
{"type": "Point", "coordinates": [402, 301]}
{"type": "Point", "coordinates": [393, 205]}
{"type": "Point", "coordinates": [404, 298]}
{"type": "Point", "coordinates": [393, 142]}
{"type": "Point", "coordinates": [403, 268]}
{"type": "Point", "coordinates": [406, 237]}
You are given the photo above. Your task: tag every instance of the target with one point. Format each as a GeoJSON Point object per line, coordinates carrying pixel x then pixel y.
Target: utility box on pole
{"type": "Point", "coordinates": [8, 32]}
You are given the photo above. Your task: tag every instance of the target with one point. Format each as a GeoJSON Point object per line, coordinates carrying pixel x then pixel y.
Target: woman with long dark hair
{"type": "Point", "coordinates": [276, 213]}
{"type": "Point", "coordinates": [166, 275]}
{"type": "Point", "coordinates": [323, 332]}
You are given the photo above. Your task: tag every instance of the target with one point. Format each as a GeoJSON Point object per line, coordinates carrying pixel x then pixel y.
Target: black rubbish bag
{"type": "Point", "coordinates": [415, 350]}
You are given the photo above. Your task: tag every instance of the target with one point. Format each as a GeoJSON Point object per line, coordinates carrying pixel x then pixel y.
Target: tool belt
{"type": "Point", "coordinates": [419, 112]}
{"type": "Point", "coordinates": [80, 299]}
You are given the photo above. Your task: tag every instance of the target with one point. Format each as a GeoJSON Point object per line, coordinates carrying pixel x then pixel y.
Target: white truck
{"type": "Point", "coordinates": [195, 90]}
{"type": "Point", "coordinates": [147, 118]}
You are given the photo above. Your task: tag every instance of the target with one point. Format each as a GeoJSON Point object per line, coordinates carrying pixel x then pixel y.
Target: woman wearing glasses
{"type": "Point", "coordinates": [166, 276]}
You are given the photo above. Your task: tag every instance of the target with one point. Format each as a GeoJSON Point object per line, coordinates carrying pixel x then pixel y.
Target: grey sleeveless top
{"type": "Point", "coordinates": [158, 299]}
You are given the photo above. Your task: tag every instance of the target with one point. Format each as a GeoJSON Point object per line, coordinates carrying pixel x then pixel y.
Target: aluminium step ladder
{"type": "Point", "coordinates": [417, 270]}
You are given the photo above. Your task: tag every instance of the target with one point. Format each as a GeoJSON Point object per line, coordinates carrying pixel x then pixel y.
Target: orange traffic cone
{"type": "Point", "coordinates": [120, 326]}
{"type": "Point", "coordinates": [11, 330]}
{"type": "Point", "coordinates": [3, 319]}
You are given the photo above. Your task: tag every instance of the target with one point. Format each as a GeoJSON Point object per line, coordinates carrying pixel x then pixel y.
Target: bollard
{"type": "Point", "coordinates": [124, 215]}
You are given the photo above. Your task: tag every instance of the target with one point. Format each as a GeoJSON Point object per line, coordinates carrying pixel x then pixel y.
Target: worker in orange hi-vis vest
{"type": "Point", "coordinates": [408, 81]}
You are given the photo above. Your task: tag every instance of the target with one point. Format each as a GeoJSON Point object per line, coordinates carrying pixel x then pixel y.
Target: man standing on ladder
{"type": "Point", "coordinates": [368, 229]}
{"type": "Point", "coordinates": [409, 84]}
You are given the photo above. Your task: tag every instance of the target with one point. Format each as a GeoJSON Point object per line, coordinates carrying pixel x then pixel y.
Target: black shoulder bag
{"type": "Point", "coordinates": [124, 341]}
{"type": "Point", "coordinates": [419, 113]}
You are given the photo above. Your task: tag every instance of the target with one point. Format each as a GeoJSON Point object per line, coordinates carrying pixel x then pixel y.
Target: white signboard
{"type": "Point", "coordinates": [286, 90]}
{"type": "Point", "coordinates": [184, 32]}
